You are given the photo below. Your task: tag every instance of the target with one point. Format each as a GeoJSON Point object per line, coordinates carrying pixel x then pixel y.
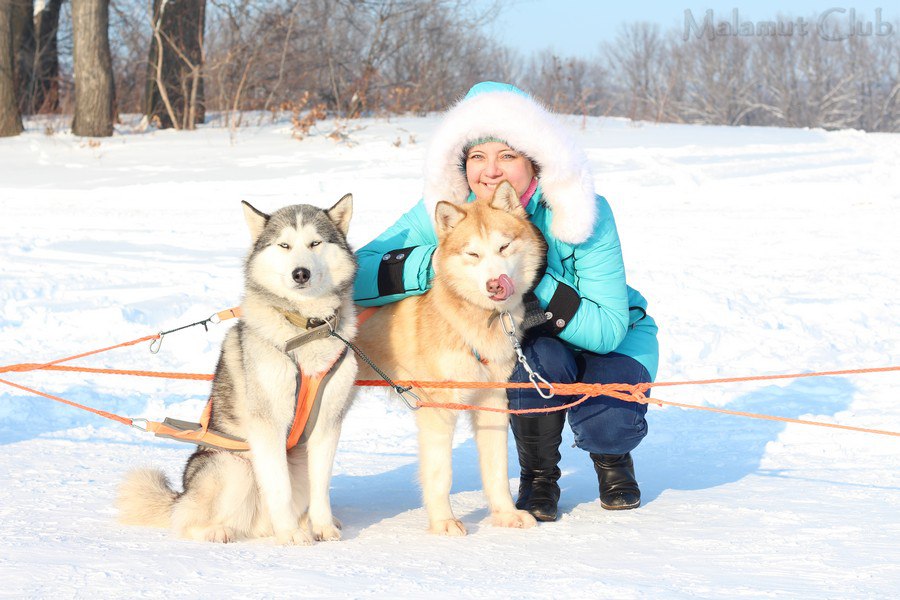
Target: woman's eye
{"type": "Point", "coordinates": [315, 243]}
{"type": "Point", "coordinates": [284, 245]}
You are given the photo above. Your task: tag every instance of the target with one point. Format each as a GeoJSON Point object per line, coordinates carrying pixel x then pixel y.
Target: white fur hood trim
{"type": "Point", "coordinates": [565, 175]}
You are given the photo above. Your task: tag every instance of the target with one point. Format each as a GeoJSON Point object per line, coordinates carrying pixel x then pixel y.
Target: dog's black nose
{"type": "Point", "coordinates": [301, 275]}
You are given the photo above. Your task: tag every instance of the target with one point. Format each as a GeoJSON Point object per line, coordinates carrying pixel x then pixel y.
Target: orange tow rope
{"type": "Point", "coordinates": [623, 391]}
{"type": "Point", "coordinates": [40, 366]}
{"type": "Point", "coordinates": [632, 393]}
{"type": "Point", "coordinates": [626, 392]}
{"type": "Point", "coordinates": [102, 413]}
{"type": "Point", "coordinates": [50, 365]}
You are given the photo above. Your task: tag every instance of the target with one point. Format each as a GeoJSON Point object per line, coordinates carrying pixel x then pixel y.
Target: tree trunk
{"type": "Point", "coordinates": [46, 59]}
{"type": "Point", "coordinates": [23, 48]}
{"type": "Point", "coordinates": [10, 117]}
{"type": "Point", "coordinates": [174, 95]}
{"type": "Point", "coordinates": [94, 95]}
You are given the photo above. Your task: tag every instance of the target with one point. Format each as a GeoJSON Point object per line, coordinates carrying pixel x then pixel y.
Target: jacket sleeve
{"type": "Point", "coordinates": [585, 291]}
{"type": "Point", "coordinates": [397, 263]}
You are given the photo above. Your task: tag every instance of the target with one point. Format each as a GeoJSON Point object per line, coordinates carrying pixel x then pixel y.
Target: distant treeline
{"type": "Point", "coordinates": [350, 58]}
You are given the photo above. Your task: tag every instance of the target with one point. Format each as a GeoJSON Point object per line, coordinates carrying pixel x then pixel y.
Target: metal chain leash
{"type": "Point", "coordinates": [509, 327]}
{"type": "Point", "coordinates": [401, 391]}
{"type": "Point", "coordinates": [156, 344]}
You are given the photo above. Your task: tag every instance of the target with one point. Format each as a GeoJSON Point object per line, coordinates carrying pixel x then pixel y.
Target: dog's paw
{"type": "Point", "coordinates": [327, 533]}
{"type": "Point", "coordinates": [297, 537]}
{"type": "Point", "coordinates": [518, 519]}
{"type": "Point", "coordinates": [219, 534]}
{"type": "Point", "coordinates": [451, 527]}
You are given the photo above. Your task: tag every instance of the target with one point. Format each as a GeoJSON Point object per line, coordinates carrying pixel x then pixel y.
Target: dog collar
{"type": "Point", "coordinates": [316, 329]}
{"type": "Point", "coordinates": [493, 317]}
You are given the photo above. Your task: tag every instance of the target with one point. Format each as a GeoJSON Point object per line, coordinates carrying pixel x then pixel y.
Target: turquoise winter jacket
{"type": "Point", "coordinates": [610, 316]}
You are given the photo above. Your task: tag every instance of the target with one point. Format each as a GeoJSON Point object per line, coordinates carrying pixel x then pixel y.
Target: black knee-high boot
{"type": "Point", "coordinates": [618, 485]}
{"type": "Point", "coordinates": [537, 441]}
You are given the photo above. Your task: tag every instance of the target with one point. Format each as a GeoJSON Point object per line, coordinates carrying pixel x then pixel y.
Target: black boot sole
{"type": "Point", "coordinates": [619, 506]}
{"type": "Point", "coordinates": [545, 513]}
{"type": "Point", "coordinates": [544, 518]}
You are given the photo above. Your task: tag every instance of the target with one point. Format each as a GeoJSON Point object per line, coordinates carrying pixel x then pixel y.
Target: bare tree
{"type": "Point", "coordinates": [23, 45]}
{"type": "Point", "coordinates": [775, 67]}
{"type": "Point", "coordinates": [349, 58]}
{"type": "Point", "coordinates": [569, 85]}
{"type": "Point", "coordinates": [247, 47]}
{"type": "Point", "coordinates": [175, 94]}
{"type": "Point", "coordinates": [434, 52]}
{"type": "Point", "coordinates": [45, 87]}
{"type": "Point", "coordinates": [879, 86]}
{"type": "Point", "coordinates": [636, 59]}
{"type": "Point", "coordinates": [829, 84]}
{"type": "Point", "coordinates": [721, 85]}
{"type": "Point", "coordinates": [10, 117]}
{"type": "Point", "coordinates": [94, 89]}
{"type": "Point", "coordinates": [130, 36]}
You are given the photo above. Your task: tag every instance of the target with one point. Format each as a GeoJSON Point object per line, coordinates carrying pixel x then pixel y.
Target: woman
{"type": "Point", "coordinates": [591, 327]}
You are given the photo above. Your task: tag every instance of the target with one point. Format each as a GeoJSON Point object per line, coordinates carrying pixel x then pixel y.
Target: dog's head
{"type": "Point", "coordinates": [488, 251]}
{"type": "Point", "coordinates": [300, 252]}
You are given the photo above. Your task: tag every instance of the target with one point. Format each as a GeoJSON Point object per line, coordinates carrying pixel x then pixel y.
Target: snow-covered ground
{"type": "Point", "coordinates": [761, 251]}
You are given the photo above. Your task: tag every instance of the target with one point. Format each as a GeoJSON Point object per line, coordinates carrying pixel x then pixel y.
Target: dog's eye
{"type": "Point", "coordinates": [284, 245]}
{"type": "Point", "coordinates": [315, 243]}
{"type": "Point", "coordinates": [473, 254]}
{"type": "Point", "coordinates": [504, 246]}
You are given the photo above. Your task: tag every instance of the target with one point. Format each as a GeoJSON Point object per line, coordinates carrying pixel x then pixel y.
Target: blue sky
{"type": "Point", "coordinates": [577, 27]}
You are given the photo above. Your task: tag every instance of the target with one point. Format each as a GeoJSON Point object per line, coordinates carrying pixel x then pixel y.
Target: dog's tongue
{"type": "Point", "coordinates": [507, 288]}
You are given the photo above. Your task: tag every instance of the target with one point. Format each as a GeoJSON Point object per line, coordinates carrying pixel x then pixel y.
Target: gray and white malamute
{"type": "Point", "coordinates": [298, 281]}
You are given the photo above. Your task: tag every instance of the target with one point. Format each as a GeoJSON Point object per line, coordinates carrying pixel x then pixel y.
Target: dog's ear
{"type": "Point", "coordinates": [341, 212]}
{"type": "Point", "coordinates": [256, 220]}
{"type": "Point", "coordinates": [447, 216]}
{"type": "Point", "coordinates": [505, 198]}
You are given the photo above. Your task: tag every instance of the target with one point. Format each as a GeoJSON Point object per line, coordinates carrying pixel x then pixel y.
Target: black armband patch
{"type": "Point", "coordinates": [562, 307]}
{"type": "Point", "coordinates": [631, 320]}
{"type": "Point", "coordinates": [390, 272]}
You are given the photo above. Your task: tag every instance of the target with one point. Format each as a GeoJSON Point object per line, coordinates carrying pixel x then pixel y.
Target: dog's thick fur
{"type": "Point", "coordinates": [435, 336]}
{"type": "Point", "coordinates": [265, 491]}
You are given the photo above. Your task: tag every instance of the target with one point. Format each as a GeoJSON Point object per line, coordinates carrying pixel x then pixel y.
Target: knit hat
{"type": "Point", "coordinates": [482, 140]}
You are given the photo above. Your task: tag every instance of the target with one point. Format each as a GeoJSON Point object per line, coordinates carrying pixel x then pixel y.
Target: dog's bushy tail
{"type": "Point", "coordinates": [146, 498]}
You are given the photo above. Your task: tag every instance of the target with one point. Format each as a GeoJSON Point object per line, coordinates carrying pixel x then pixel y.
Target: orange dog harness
{"type": "Point", "coordinates": [306, 410]}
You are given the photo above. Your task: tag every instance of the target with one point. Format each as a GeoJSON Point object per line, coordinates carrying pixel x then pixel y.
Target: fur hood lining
{"type": "Point", "coordinates": [565, 175]}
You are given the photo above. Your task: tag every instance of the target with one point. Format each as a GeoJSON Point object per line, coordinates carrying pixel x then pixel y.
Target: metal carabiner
{"type": "Point", "coordinates": [402, 394]}
{"type": "Point", "coordinates": [157, 342]}
{"type": "Point", "coordinates": [532, 375]}
{"type": "Point", "coordinates": [138, 427]}
{"type": "Point", "coordinates": [545, 395]}
{"type": "Point", "coordinates": [511, 329]}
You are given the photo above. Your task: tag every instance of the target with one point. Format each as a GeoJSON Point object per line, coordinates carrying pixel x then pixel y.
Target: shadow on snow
{"type": "Point", "coordinates": [685, 449]}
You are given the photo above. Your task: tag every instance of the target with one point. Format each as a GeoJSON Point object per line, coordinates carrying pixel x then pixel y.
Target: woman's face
{"type": "Point", "coordinates": [490, 163]}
